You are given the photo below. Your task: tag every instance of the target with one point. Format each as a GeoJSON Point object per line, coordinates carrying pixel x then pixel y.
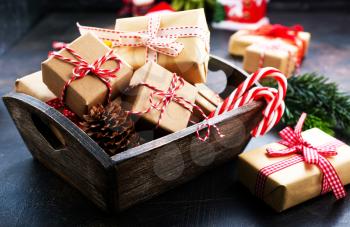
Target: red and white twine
{"type": "Point", "coordinates": [168, 96]}
{"type": "Point", "coordinates": [155, 39]}
{"type": "Point", "coordinates": [277, 45]}
{"type": "Point", "coordinates": [83, 68]}
{"type": "Point", "coordinates": [307, 153]}
{"type": "Point", "coordinates": [244, 94]}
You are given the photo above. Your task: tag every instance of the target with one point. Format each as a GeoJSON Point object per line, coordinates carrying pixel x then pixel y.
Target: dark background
{"type": "Point", "coordinates": [18, 16]}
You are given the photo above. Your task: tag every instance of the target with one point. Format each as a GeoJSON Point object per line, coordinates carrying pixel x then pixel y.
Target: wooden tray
{"type": "Point", "coordinates": [118, 182]}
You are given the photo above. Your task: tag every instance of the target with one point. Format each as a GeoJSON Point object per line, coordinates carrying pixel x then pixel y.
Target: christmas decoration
{"type": "Point", "coordinates": [135, 8]}
{"type": "Point", "coordinates": [162, 7]}
{"type": "Point", "coordinates": [111, 127]}
{"type": "Point", "coordinates": [161, 97]}
{"type": "Point", "coordinates": [244, 94]}
{"type": "Point", "coordinates": [301, 166]}
{"type": "Point", "coordinates": [240, 14]}
{"type": "Point", "coordinates": [327, 106]}
{"type": "Point", "coordinates": [82, 78]}
{"type": "Point", "coordinates": [165, 39]}
{"type": "Point", "coordinates": [274, 53]}
{"type": "Point", "coordinates": [207, 100]}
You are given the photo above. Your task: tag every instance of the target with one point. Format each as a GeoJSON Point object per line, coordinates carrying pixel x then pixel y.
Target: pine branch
{"type": "Point", "coordinates": [327, 107]}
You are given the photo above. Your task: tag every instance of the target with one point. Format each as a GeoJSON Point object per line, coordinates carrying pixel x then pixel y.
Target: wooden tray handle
{"type": "Point", "coordinates": [234, 75]}
{"type": "Point", "coordinates": [75, 156]}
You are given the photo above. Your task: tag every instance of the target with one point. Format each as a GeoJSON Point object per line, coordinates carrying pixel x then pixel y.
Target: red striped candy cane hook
{"type": "Point", "coordinates": [244, 94]}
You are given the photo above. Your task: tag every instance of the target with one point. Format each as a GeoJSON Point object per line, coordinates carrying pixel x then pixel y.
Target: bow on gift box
{"type": "Point", "coordinates": [82, 68]}
{"type": "Point", "coordinates": [155, 39]}
{"type": "Point", "coordinates": [305, 152]}
{"type": "Point", "coordinates": [284, 32]}
{"type": "Point", "coordinates": [168, 96]}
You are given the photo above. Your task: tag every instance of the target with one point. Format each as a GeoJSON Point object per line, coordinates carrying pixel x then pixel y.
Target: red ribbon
{"type": "Point", "coordinates": [305, 152]}
{"type": "Point", "coordinates": [83, 68]}
{"type": "Point", "coordinates": [284, 32]}
{"type": "Point", "coordinates": [168, 96]}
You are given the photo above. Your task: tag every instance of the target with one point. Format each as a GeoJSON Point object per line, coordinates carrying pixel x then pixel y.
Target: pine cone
{"type": "Point", "coordinates": [111, 127]}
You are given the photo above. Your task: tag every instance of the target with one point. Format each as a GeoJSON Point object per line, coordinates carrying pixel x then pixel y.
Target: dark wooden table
{"type": "Point", "coordinates": [30, 195]}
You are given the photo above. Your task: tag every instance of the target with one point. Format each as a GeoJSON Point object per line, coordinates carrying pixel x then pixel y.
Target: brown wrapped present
{"type": "Point", "coordinates": [33, 85]}
{"type": "Point", "coordinates": [82, 94]}
{"type": "Point", "coordinates": [240, 40]}
{"type": "Point", "coordinates": [180, 44]}
{"type": "Point", "coordinates": [159, 84]}
{"type": "Point", "coordinates": [283, 182]}
{"type": "Point", "coordinates": [273, 53]}
{"type": "Point", "coordinates": [207, 100]}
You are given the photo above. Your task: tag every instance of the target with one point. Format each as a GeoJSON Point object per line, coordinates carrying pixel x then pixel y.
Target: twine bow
{"type": "Point", "coordinates": [284, 32]}
{"type": "Point", "coordinates": [83, 68]}
{"type": "Point", "coordinates": [168, 96]}
{"type": "Point", "coordinates": [155, 39]}
{"type": "Point", "coordinates": [162, 44]}
{"type": "Point", "coordinates": [295, 144]}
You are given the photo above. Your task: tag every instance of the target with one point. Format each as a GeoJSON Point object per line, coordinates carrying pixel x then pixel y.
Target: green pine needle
{"type": "Point", "coordinates": [327, 107]}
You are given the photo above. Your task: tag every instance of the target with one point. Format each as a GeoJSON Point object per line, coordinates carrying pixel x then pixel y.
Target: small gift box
{"type": "Point", "coordinates": [240, 40]}
{"type": "Point", "coordinates": [300, 167]}
{"type": "Point", "coordinates": [33, 85]}
{"type": "Point", "coordinates": [275, 53]}
{"type": "Point", "coordinates": [207, 100]}
{"type": "Point", "coordinates": [161, 97]}
{"type": "Point", "coordinates": [85, 73]}
{"type": "Point", "coordinates": [177, 41]}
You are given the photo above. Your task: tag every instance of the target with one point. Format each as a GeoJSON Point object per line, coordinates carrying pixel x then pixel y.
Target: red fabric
{"type": "Point", "coordinates": [307, 153]}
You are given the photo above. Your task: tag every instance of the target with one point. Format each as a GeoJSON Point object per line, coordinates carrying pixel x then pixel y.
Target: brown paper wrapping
{"type": "Point", "coordinates": [297, 183]}
{"type": "Point", "coordinates": [240, 40]}
{"type": "Point", "coordinates": [84, 93]}
{"type": "Point", "coordinates": [207, 100]}
{"type": "Point", "coordinates": [282, 59]}
{"type": "Point", "coordinates": [192, 62]}
{"type": "Point", "coordinates": [33, 85]}
{"type": "Point", "coordinates": [175, 116]}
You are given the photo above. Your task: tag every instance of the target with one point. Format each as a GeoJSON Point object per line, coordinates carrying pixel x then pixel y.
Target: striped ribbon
{"type": "Point", "coordinates": [83, 68]}
{"type": "Point", "coordinates": [168, 96]}
{"type": "Point", "coordinates": [276, 45]}
{"type": "Point", "coordinates": [155, 39]}
{"type": "Point", "coordinates": [307, 153]}
{"type": "Point", "coordinates": [244, 94]}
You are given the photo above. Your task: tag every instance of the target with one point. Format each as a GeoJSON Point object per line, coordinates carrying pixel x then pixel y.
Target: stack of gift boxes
{"type": "Point", "coordinates": [271, 45]}
{"type": "Point", "coordinates": [158, 67]}
{"type": "Point", "coordinates": [161, 86]}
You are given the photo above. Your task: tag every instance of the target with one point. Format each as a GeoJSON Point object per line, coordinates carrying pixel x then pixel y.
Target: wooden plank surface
{"type": "Point", "coordinates": [30, 195]}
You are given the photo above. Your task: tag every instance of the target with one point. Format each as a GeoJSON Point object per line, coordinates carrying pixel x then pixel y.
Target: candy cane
{"type": "Point", "coordinates": [244, 94]}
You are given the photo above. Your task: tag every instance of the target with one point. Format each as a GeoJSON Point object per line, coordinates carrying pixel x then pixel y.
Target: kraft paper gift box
{"type": "Point", "coordinates": [273, 53]}
{"type": "Point", "coordinates": [191, 63]}
{"type": "Point", "coordinates": [207, 100]}
{"type": "Point", "coordinates": [34, 86]}
{"type": "Point", "coordinates": [84, 93]}
{"type": "Point", "coordinates": [240, 40]}
{"type": "Point", "coordinates": [294, 184]}
{"type": "Point", "coordinates": [175, 116]}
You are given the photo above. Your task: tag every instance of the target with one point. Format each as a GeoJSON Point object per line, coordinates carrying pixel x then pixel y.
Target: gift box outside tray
{"type": "Point", "coordinates": [118, 182]}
